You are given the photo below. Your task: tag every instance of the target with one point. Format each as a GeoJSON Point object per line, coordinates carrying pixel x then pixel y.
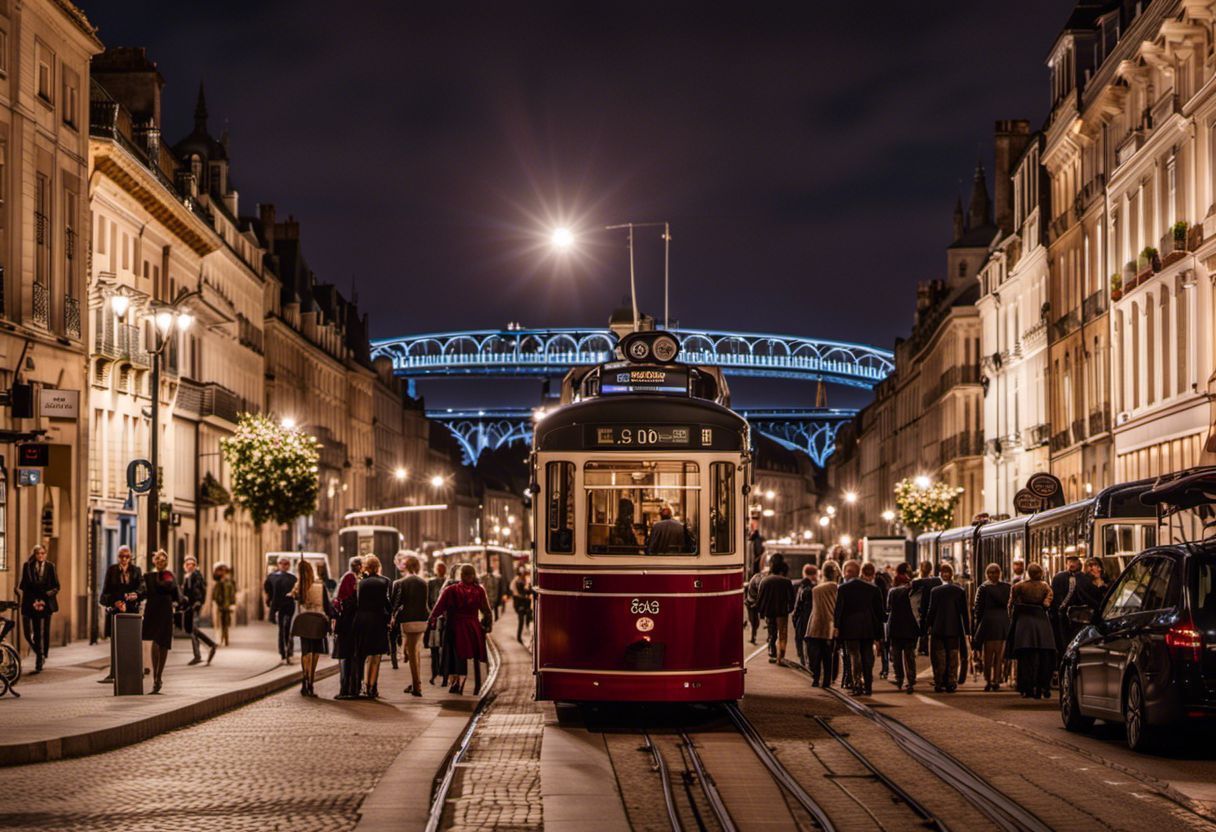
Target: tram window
{"type": "Point", "coordinates": [559, 481]}
{"type": "Point", "coordinates": [1121, 538]}
{"type": "Point", "coordinates": [642, 507]}
{"type": "Point", "coordinates": [722, 508]}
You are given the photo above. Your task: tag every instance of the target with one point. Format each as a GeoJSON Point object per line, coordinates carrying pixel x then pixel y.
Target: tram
{"type": "Point", "coordinates": [382, 541]}
{"type": "Point", "coordinates": [1113, 525]}
{"type": "Point", "coordinates": [641, 477]}
{"type": "Point", "coordinates": [505, 559]}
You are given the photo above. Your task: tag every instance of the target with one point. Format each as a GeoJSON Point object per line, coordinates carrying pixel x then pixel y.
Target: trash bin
{"type": "Point", "coordinates": [127, 654]}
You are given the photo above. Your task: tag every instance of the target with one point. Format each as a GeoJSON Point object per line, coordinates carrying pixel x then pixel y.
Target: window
{"type": "Point", "coordinates": [1160, 594]}
{"type": "Point", "coordinates": [42, 231]}
{"type": "Point", "coordinates": [71, 95]}
{"type": "Point", "coordinates": [559, 486]}
{"type": "Point", "coordinates": [642, 507]}
{"type": "Point", "coordinates": [1128, 595]}
{"type": "Point", "coordinates": [46, 74]}
{"type": "Point", "coordinates": [3, 53]}
{"type": "Point", "coordinates": [722, 508]}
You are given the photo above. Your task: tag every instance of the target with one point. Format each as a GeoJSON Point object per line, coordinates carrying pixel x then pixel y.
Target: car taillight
{"type": "Point", "coordinates": [1184, 638]}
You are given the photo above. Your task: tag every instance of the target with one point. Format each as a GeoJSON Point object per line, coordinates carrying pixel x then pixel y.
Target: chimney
{"type": "Point", "coordinates": [1011, 138]}
{"type": "Point", "coordinates": [266, 215]}
{"type": "Point", "coordinates": [126, 73]}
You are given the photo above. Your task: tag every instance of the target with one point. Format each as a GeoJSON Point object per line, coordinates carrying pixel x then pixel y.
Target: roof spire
{"type": "Point", "coordinates": [979, 213]}
{"type": "Point", "coordinates": [200, 111]}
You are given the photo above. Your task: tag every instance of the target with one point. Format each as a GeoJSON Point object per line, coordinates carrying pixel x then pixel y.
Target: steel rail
{"type": "Point", "coordinates": [669, 796]}
{"type": "Point", "coordinates": [712, 796]}
{"type": "Point", "coordinates": [778, 772]}
{"type": "Point", "coordinates": [443, 781]}
{"type": "Point", "coordinates": [930, 822]}
{"type": "Point", "coordinates": [990, 801]}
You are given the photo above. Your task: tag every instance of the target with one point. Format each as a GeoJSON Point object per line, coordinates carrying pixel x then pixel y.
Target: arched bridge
{"type": "Point", "coordinates": [516, 352]}
{"type": "Point", "coordinates": [810, 430]}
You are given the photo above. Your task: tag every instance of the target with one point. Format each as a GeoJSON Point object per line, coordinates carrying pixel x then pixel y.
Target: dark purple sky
{"type": "Point", "coordinates": [808, 156]}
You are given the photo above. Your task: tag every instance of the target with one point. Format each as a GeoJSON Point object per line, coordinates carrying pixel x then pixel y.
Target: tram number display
{"type": "Point", "coordinates": [641, 607]}
{"type": "Point", "coordinates": [643, 436]}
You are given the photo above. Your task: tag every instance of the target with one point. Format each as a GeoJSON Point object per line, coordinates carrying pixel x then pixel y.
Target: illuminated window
{"type": "Point", "coordinates": [638, 507]}
{"type": "Point", "coordinates": [722, 508]}
{"type": "Point", "coordinates": [559, 485]}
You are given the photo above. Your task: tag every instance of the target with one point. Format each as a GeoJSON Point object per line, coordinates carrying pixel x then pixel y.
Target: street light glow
{"type": "Point", "coordinates": [400, 474]}
{"type": "Point", "coordinates": [184, 321]}
{"type": "Point", "coordinates": [164, 321]}
{"type": "Point", "coordinates": [823, 521]}
{"type": "Point", "coordinates": [288, 423]}
{"type": "Point", "coordinates": [845, 540]}
{"type": "Point", "coordinates": [850, 496]}
{"type": "Point", "coordinates": [562, 238]}
{"type": "Point", "coordinates": [770, 494]}
{"type": "Point", "coordinates": [889, 516]}
{"type": "Point", "coordinates": [807, 535]}
{"type": "Point", "coordinates": [923, 482]}
{"type": "Point", "coordinates": [436, 481]}
{"type": "Point", "coordinates": [832, 511]}
{"type": "Point", "coordinates": [120, 302]}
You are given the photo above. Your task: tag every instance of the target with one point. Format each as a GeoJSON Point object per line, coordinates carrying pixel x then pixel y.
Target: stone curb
{"type": "Point", "coordinates": [117, 736]}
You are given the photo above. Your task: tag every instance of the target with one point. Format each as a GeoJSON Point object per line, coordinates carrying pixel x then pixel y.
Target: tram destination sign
{"type": "Point", "coordinates": [643, 436]}
{"type": "Point", "coordinates": [624, 380]}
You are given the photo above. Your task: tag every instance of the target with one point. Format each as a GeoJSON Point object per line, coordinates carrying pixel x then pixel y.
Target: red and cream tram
{"type": "Point", "coordinates": [640, 516]}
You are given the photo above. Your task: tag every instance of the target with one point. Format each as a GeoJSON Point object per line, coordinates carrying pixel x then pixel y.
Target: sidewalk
{"type": "Point", "coordinates": [64, 712]}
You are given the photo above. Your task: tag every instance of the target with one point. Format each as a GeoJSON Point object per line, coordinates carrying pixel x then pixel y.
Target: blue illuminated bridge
{"type": "Point", "coordinates": [551, 352]}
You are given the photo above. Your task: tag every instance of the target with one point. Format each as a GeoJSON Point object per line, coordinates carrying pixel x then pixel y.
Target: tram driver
{"type": "Point", "coordinates": [668, 536]}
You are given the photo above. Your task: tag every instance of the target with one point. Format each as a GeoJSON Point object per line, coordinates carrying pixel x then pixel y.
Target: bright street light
{"type": "Point", "coordinates": [850, 496]}
{"type": "Point", "coordinates": [823, 521]}
{"type": "Point", "coordinates": [562, 238]}
{"type": "Point", "coordinates": [768, 512]}
{"type": "Point", "coordinates": [806, 535]}
{"type": "Point", "coordinates": [120, 302]}
{"type": "Point", "coordinates": [832, 510]}
{"type": "Point", "coordinates": [889, 516]}
{"type": "Point", "coordinates": [436, 481]}
{"type": "Point", "coordinates": [184, 321]}
{"type": "Point", "coordinates": [845, 541]}
{"type": "Point", "coordinates": [770, 494]}
{"type": "Point", "coordinates": [164, 321]}
{"type": "Point", "coordinates": [400, 474]}
{"type": "Point", "coordinates": [288, 423]}
{"type": "Point", "coordinates": [923, 482]}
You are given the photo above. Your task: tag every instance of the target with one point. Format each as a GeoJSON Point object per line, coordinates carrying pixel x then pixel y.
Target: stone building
{"type": "Point", "coordinates": [1013, 325]}
{"type": "Point", "coordinates": [45, 49]}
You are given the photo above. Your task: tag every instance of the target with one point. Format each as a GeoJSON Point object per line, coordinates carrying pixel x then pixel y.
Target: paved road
{"type": "Point", "coordinates": [283, 763]}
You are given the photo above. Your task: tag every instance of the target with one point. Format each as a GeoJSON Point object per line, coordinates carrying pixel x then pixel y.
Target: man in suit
{"type": "Point", "coordinates": [755, 547]}
{"type": "Point", "coordinates": [39, 601]}
{"type": "Point", "coordinates": [870, 574]}
{"type": "Point", "coordinates": [1067, 588]}
{"type": "Point", "coordinates": [858, 620]}
{"type": "Point", "coordinates": [903, 630]}
{"type": "Point", "coordinates": [194, 593]}
{"type": "Point", "coordinates": [668, 536]}
{"type": "Point", "coordinates": [946, 622]}
{"type": "Point", "coordinates": [921, 587]}
{"type": "Point", "coordinates": [803, 601]}
{"type": "Point", "coordinates": [282, 606]}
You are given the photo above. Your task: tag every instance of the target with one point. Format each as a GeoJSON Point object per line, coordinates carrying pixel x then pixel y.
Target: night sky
{"type": "Point", "coordinates": [807, 156]}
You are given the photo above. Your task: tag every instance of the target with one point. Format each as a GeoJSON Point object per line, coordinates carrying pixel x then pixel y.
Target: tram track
{"type": "Point", "coordinates": [1003, 811]}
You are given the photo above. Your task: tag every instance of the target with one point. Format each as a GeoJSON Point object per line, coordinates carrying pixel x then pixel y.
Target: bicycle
{"type": "Point", "coordinates": [10, 660]}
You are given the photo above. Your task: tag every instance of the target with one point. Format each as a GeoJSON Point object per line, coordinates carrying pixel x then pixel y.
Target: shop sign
{"type": "Point", "coordinates": [59, 404]}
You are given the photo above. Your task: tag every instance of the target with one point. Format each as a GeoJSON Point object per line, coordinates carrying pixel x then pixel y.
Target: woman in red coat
{"type": "Point", "coordinates": [465, 605]}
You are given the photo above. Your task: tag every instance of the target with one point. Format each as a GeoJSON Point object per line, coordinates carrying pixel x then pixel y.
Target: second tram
{"type": "Point", "coordinates": [641, 519]}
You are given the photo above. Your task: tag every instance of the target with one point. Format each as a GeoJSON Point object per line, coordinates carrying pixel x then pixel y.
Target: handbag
{"type": "Point", "coordinates": [311, 625]}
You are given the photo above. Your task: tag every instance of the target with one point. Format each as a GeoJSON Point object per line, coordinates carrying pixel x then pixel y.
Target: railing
{"type": "Point", "coordinates": [222, 403]}
{"type": "Point", "coordinates": [959, 445]}
{"type": "Point", "coordinates": [1092, 190]}
{"type": "Point", "coordinates": [1065, 324]}
{"type": "Point", "coordinates": [950, 379]}
{"type": "Point", "coordinates": [1037, 329]}
{"type": "Point", "coordinates": [1036, 436]}
{"type": "Point", "coordinates": [1078, 430]}
{"type": "Point", "coordinates": [1099, 421]}
{"type": "Point", "coordinates": [71, 317]}
{"type": "Point", "coordinates": [1093, 306]}
{"type": "Point", "coordinates": [41, 314]}
{"type": "Point", "coordinates": [248, 334]}
{"type": "Point", "coordinates": [1059, 441]}
{"type": "Point", "coordinates": [1059, 225]}
{"type": "Point", "coordinates": [1166, 106]}
{"type": "Point", "coordinates": [1127, 148]}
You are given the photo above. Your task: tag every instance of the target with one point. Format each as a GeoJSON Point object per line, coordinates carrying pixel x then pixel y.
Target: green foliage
{"type": "Point", "coordinates": [1116, 282]}
{"type": "Point", "coordinates": [927, 509]}
{"type": "Point", "coordinates": [274, 470]}
{"type": "Point", "coordinates": [1179, 230]}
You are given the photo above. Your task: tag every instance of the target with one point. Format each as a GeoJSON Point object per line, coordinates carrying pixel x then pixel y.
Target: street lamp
{"type": "Point", "coordinates": [166, 319]}
{"type": "Point", "coordinates": [850, 497]}
{"type": "Point", "coordinates": [437, 481]}
{"type": "Point", "coordinates": [923, 482]}
{"type": "Point", "coordinates": [562, 239]}
{"type": "Point", "coordinates": [846, 540]}
{"type": "Point", "coordinates": [824, 521]}
{"type": "Point", "coordinates": [770, 494]}
{"type": "Point", "coordinates": [400, 474]}
{"type": "Point", "coordinates": [831, 511]}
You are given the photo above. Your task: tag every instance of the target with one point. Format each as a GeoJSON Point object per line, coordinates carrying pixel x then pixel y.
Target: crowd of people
{"type": "Point", "coordinates": [845, 617]}
{"type": "Point", "coordinates": [367, 615]}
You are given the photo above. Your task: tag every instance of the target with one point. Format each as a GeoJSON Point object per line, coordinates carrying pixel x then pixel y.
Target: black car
{"type": "Point", "coordinates": [1147, 656]}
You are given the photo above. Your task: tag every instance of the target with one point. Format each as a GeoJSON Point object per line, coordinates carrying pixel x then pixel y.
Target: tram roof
{"type": "Point", "coordinates": [639, 408]}
{"type": "Point", "coordinates": [1004, 526]}
{"type": "Point", "coordinates": [957, 533]}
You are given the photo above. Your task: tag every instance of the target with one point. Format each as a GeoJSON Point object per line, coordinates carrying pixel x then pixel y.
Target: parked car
{"type": "Point", "coordinates": [1147, 656]}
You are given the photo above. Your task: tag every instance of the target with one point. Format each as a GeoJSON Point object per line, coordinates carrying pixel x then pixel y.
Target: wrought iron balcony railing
{"type": "Point", "coordinates": [71, 317]}
{"type": "Point", "coordinates": [1099, 421]}
{"type": "Point", "coordinates": [1036, 436]}
{"type": "Point", "coordinates": [41, 313]}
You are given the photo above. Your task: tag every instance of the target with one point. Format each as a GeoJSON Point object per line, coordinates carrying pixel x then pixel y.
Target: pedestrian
{"type": "Point", "coordinates": [311, 624]}
{"type": "Point", "coordinates": [394, 632]}
{"type": "Point", "coordinates": [371, 623]}
{"type": "Point", "coordinates": [802, 611]}
{"type": "Point", "coordinates": [492, 584]}
{"type": "Point", "coordinates": [921, 587]}
{"type": "Point", "coordinates": [349, 668]}
{"type": "Point", "coordinates": [750, 596]}
{"type": "Point", "coordinates": [1031, 635]}
{"type": "Point", "coordinates": [819, 627]}
{"type": "Point", "coordinates": [521, 598]}
{"type": "Point", "coordinates": [277, 589]}
{"type": "Point", "coordinates": [1067, 588]}
{"type": "Point", "coordinates": [463, 604]}
{"type": "Point", "coordinates": [991, 617]}
{"type": "Point", "coordinates": [434, 636]}
{"type": "Point", "coordinates": [223, 596]}
{"type": "Point", "coordinates": [120, 592]}
{"type": "Point", "coordinates": [326, 581]}
{"type": "Point", "coordinates": [1018, 571]}
{"type": "Point", "coordinates": [755, 551]}
{"type": "Point", "coordinates": [946, 625]}
{"type": "Point", "coordinates": [903, 629]}
{"type": "Point", "coordinates": [409, 615]}
{"type": "Point", "coordinates": [194, 593]}
{"type": "Point", "coordinates": [1093, 593]}
{"type": "Point", "coordinates": [39, 588]}
{"type": "Point", "coordinates": [775, 601]}
{"type": "Point", "coordinates": [858, 623]}
{"type": "Point", "coordinates": [870, 574]}
{"type": "Point", "coordinates": [161, 594]}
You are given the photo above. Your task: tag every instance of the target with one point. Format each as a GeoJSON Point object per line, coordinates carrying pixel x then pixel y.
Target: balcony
{"type": "Point", "coordinates": [1166, 106]}
{"type": "Point", "coordinates": [950, 379]}
{"type": "Point", "coordinates": [1092, 191]}
{"type": "Point", "coordinates": [41, 313]}
{"type": "Point", "coordinates": [1059, 441]}
{"type": "Point", "coordinates": [1099, 421]}
{"type": "Point", "coordinates": [961, 444]}
{"type": "Point", "coordinates": [1127, 148]}
{"type": "Point", "coordinates": [1093, 306]}
{"type": "Point", "coordinates": [71, 317]}
{"type": "Point", "coordinates": [1078, 430]}
{"type": "Point", "coordinates": [121, 342]}
{"type": "Point", "coordinates": [1037, 436]}
{"type": "Point", "coordinates": [220, 402]}
{"type": "Point", "coordinates": [1064, 325]}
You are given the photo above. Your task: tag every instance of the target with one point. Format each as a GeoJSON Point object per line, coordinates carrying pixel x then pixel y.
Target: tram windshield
{"type": "Point", "coordinates": [642, 507]}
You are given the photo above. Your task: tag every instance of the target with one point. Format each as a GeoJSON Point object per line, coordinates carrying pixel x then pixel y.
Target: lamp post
{"type": "Point", "coordinates": [166, 318]}
{"type": "Point", "coordinates": [563, 239]}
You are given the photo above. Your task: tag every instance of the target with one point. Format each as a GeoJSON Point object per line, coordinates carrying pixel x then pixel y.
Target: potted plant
{"type": "Point", "coordinates": [1116, 286]}
{"type": "Point", "coordinates": [1149, 260]}
{"type": "Point", "coordinates": [1179, 230]}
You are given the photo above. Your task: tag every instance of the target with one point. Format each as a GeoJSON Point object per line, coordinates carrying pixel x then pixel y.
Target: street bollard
{"type": "Point", "coordinates": [127, 654]}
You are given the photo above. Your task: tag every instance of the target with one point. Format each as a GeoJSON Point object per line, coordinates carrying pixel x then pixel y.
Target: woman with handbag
{"type": "Point", "coordinates": [311, 624]}
{"type": "Point", "coordinates": [464, 603]}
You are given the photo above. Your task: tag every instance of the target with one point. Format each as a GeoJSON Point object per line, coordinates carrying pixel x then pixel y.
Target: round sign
{"type": "Point", "coordinates": [665, 348]}
{"type": "Point", "coordinates": [639, 350]}
{"type": "Point", "coordinates": [645, 625]}
{"type": "Point", "coordinates": [1043, 485]}
{"type": "Point", "coordinates": [1027, 502]}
